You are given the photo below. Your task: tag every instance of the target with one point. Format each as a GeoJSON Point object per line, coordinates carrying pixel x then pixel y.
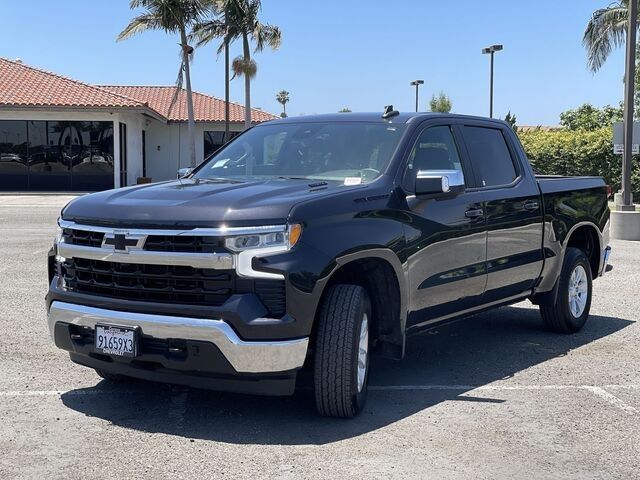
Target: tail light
{"type": "Point", "coordinates": [609, 191]}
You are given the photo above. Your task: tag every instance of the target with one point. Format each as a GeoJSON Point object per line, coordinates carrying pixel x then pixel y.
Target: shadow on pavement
{"type": "Point", "coordinates": [475, 351]}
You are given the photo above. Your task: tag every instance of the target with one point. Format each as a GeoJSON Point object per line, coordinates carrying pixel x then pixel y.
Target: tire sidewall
{"type": "Point", "coordinates": [574, 257]}
{"type": "Point", "coordinates": [360, 398]}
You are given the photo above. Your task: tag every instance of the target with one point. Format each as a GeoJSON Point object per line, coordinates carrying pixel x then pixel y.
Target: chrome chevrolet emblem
{"type": "Point", "coordinates": [122, 241]}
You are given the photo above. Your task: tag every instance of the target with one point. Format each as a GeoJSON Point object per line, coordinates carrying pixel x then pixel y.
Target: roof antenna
{"type": "Point", "coordinates": [389, 112]}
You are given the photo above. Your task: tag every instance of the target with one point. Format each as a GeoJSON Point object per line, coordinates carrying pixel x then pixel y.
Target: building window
{"type": "Point", "coordinates": [56, 155]}
{"type": "Point", "coordinates": [14, 159]}
{"type": "Point", "coordinates": [213, 140]}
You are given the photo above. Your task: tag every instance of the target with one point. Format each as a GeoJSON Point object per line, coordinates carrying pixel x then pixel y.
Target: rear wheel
{"type": "Point", "coordinates": [342, 350]}
{"type": "Point", "coordinates": [570, 310]}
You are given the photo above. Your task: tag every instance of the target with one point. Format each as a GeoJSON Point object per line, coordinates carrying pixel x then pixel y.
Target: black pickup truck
{"type": "Point", "coordinates": [314, 242]}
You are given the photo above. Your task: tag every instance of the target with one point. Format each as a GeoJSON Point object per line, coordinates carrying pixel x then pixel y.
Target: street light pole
{"type": "Point", "coordinates": [417, 84]}
{"type": "Point", "coordinates": [491, 51]}
{"type": "Point", "coordinates": [629, 86]}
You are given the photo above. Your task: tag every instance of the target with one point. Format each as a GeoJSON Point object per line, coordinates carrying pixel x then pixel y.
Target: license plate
{"type": "Point", "coordinates": [114, 340]}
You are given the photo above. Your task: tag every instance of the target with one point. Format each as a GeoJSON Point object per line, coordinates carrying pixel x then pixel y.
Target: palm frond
{"type": "Point", "coordinates": [207, 31]}
{"type": "Point", "coordinates": [138, 25]}
{"type": "Point", "coordinates": [242, 67]}
{"type": "Point", "coordinates": [605, 31]}
{"type": "Point", "coordinates": [265, 34]}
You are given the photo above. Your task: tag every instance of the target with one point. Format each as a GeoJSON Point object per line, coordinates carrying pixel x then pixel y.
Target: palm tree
{"type": "Point", "coordinates": [171, 16]}
{"type": "Point", "coordinates": [283, 98]}
{"type": "Point", "coordinates": [605, 31]}
{"type": "Point", "coordinates": [216, 26]}
{"type": "Point", "coordinates": [242, 23]}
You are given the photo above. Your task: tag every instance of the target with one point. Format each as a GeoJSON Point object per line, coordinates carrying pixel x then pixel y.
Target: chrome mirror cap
{"type": "Point", "coordinates": [183, 172]}
{"type": "Point", "coordinates": [439, 181]}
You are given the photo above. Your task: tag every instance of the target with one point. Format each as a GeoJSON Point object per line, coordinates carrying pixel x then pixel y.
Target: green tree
{"type": "Point", "coordinates": [588, 117]}
{"type": "Point", "coordinates": [577, 152]}
{"type": "Point", "coordinates": [344, 110]}
{"type": "Point", "coordinates": [210, 28]}
{"type": "Point", "coordinates": [242, 23]}
{"type": "Point", "coordinates": [440, 103]}
{"type": "Point", "coordinates": [283, 98]}
{"type": "Point", "coordinates": [171, 16]}
{"type": "Point", "coordinates": [511, 120]}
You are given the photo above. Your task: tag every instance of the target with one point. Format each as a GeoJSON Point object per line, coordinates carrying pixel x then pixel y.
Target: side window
{"type": "Point", "coordinates": [492, 162]}
{"type": "Point", "coordinates": [435, 149]}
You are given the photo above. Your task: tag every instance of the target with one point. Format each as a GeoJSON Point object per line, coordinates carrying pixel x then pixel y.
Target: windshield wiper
{"type": "Point", "coordinates": [292, 178]}
{"type": "Point", "coordinates": [218, 180]}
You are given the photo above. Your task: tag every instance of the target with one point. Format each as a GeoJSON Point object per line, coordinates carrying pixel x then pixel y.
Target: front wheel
{"type": "Point", "coordinates": [569, 312]}
{"type": "Point", "coordinates": [342, 347]}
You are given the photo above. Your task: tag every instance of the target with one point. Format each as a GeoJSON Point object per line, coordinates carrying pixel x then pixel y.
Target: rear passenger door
{"type": "Point", "coordinates": [512, 206]}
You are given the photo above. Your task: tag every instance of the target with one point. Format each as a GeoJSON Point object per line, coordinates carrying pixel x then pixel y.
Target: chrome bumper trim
{"type": "Point", "coordinates": [219, 261]}
{"type": "Point", "coordinates": [244, 356]}
{"type": "Point", "coordinates": [199, 232]}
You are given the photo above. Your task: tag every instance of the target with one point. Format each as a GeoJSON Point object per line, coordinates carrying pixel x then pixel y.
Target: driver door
{"type": "Point", "coordinates": [446, 234]}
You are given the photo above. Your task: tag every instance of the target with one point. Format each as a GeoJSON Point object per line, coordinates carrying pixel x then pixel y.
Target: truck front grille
{"type": "Point", "coordinates": [167, 283]}
{"type": "Point", "coordinates": [153, 243]}
{"type": "Point", "coordinates": [187, 244]}
{"type": "Point", "coordinates": [83, 237]}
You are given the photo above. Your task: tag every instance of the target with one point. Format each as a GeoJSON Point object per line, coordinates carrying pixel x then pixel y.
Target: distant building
{"type": "Point", "coordinates": [58, 134]}
{"type": "Point", "coordinates": [544, 128]}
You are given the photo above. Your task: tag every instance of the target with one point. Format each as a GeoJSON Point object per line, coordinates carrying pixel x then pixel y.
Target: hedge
{"type": "Point", "coordinates": [577, 152]}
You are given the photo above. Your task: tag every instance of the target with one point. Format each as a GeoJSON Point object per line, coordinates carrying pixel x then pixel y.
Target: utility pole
{"type": "Point", "coordinates": [629, 87]}
{"type": "Point", "coordinates": [417, 84]}
{"type": "Point", "coordinates": [491, 50]}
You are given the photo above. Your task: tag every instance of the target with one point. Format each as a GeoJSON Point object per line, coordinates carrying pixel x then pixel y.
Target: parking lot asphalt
{"type": "Point", "coordinates": [492, 396]}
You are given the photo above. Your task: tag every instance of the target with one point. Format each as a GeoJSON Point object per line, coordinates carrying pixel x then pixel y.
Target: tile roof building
{"type": "Point", "coordinates": [57, 133]}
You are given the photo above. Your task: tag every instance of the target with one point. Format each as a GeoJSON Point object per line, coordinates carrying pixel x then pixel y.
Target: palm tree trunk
{"type": "Point", "coordinates": [284, 108]}
{"type": "Point", "coordinates": [247, 83]}
{"type": "Point", "coordinates": [226, 88]}
{"type": "Point", "coordinates": [191, 124]}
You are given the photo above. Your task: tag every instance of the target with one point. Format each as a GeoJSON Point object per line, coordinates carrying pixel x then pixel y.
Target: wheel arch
{"type": "Point", "coordinates": [586, 237]}
{"type": "Point", "coordinates": [380, 273]}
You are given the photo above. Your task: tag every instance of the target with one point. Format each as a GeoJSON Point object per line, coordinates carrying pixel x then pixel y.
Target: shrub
{"type": "Point", "coordinates": [577, 152]}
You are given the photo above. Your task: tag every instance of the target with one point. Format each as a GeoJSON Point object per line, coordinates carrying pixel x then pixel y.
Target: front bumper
{"type": "Point", "coordinates": [179, 349]}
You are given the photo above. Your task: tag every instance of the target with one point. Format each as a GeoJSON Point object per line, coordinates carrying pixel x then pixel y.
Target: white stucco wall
{"type": "Point", "coordinates": [135, 123]}
{"type": "Point", "coordinates": [168, 146]}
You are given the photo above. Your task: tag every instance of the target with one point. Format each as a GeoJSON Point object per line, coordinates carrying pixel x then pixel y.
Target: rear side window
{"type": "Point", "coordinates": [490, 156]}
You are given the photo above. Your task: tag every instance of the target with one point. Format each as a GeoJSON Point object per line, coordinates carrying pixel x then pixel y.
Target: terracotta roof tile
{"type": "Point", "coordinates": [22, 85]}
{"type": "Point", "coordinates": [25, 86]}
{"type": "Point", "coordinates": [206, 108]}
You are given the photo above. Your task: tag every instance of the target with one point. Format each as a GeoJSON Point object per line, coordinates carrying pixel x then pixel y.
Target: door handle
{"type": "Point", "coordinates": [474, 213]}
{"type": "Point", "coordinates": [531, 206]}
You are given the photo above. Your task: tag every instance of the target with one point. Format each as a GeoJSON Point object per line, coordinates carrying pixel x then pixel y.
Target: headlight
{"type": "Point", "coordinates": [285, 240]}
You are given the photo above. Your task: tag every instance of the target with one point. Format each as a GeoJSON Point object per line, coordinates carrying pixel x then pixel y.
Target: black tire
{"type": "Point", "coordinates": [110, 377]}
{"type": "Point", "coordinates": [558, 316]}
{"type": "Point", "coordinates": [336, 351]}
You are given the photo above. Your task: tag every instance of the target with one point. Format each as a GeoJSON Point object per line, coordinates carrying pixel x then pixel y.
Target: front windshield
{"type": "Point", "coordinates": [350, 153]}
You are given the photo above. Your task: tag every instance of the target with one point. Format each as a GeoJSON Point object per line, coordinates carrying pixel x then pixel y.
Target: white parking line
{"type": "Point", "coordinates": [179, 400]}
{"type": "Point", "coordinates": [612, 399]}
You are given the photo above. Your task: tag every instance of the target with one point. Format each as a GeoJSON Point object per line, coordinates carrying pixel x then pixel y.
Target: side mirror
{"type": "Point", "coordinates": [430, 182]}
{"type": "Point", "coordinates": [183, 172]}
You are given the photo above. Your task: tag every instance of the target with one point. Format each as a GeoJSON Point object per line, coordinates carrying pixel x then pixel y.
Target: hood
{"type": "Point", "coordinates": [198, 202]}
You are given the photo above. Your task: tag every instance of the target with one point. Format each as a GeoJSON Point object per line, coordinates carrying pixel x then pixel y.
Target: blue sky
{"type": "Point", "coordinates": [356, 53]}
